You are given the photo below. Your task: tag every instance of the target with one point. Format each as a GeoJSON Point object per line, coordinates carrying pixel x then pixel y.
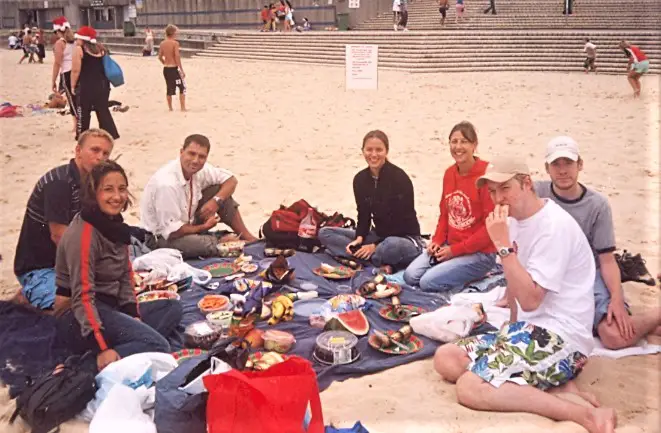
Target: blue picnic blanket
{"type": "Point", "coordinates": [29, 346]}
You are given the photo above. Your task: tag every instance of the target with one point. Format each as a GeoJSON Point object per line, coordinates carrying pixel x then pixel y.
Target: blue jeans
{"type": "Point", "coordinates": [395, 251]}
{"type": "Point", "coordinates": [38, 287]}
{"type": "Point", "coordinates": [122, 333]}
{"type": "Point", "coordinates": [450, 274]}
{"type": "Point", "coordinates": [602, 299]}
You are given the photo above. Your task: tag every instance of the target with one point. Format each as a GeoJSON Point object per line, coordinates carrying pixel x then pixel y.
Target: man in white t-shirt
{"type": "Point", "coordinates": [396, 5]}
{"type": "Point", "coordinates": [613, 323]}
{"type": "Point", "coordinates": [188, 197]}
{"type": "Point", "coordinates": [550, 271]}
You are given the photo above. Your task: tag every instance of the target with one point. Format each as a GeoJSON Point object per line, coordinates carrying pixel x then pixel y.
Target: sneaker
{"type": "Point", "coordinates": [633, 268]}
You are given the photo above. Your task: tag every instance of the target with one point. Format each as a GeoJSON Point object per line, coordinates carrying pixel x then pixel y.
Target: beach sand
{"type": "Point", "coordinates": [291, 131]}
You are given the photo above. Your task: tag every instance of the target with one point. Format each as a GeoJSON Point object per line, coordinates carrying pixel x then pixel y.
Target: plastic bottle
{"type": "Point", "coordinates": [307, 231]}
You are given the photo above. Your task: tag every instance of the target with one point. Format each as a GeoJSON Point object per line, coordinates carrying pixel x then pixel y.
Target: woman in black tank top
{"type": "Point", "coordinates": [89, 82]}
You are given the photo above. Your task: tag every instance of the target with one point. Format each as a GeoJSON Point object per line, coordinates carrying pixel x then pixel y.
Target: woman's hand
{"type": "Point", "coordinates": [106, 358]}
{"type": "Point", "coordinates": [432, 248]}
{"type": "Point", "coordinates": [443, 254]}
{"type": "Point", "coordinates": [54, 87]}
{"type": "Point", "coordinates": [366, 251]}
{"type": "Point", "coordinates": [357, 241]}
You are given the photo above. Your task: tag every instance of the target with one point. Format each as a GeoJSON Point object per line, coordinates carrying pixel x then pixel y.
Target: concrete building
{"type": "Point", "coordinates": [100, 14]}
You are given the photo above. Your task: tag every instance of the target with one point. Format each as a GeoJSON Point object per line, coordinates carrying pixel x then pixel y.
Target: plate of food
{"type": "Point", "coordinates": [213, 303]}
{"type": "Point", "coordinates": [400, 313]}
{"type": "Point", "coordinates": [157, 295]}
{"type": "Point", "coordinates": [334, 272]}
{"type": "Point", "coordinates": [379, 291]}
{"type": "Point", "coordinates": [260, 361]}
{"type": "Point", "coordinates": [249, 268]}
{"type": "Point", "coordinates": [222, 269]}
{"type": "Point", "coordinates": [405, 347]}
{"type": "Point", "coordinates": [182, 355]}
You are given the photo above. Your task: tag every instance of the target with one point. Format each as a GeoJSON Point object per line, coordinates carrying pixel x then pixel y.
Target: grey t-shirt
{"type": "Point", "coordinates": [592, 212]}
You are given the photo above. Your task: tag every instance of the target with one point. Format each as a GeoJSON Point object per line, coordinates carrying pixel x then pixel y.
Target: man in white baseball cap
{"type": "Point", "coordinates": [613, 322]}
{"type": "Point", "coordinates": [550, 272]}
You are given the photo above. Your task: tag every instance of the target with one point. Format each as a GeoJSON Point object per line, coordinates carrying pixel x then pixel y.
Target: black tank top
{"type": "Point", "coordinates": [92, 74]}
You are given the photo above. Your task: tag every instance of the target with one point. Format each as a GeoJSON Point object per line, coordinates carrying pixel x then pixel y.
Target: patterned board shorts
{"type": "Point", "coordinates": [522, 353]}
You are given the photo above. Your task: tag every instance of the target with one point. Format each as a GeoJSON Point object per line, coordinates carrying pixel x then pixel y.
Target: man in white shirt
{"type": "Point", "coordinates": [550, 271]}
{"type": "Point", "coordinates": [187, 197]}
{"type": "Point", "coordinates": [590, 51]}
{"type": "Point", "coordinates": [613, 323]}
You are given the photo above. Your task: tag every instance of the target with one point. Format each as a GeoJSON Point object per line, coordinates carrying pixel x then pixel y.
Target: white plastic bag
{"type": "Point", "coordinates": [162, 259]}
{"type": "Point", "coordinates": [137, 372]}
{"type": "Point", "coordinates": [184, 270]}
{"type": "Point", "coordinates": [121, 411]}
{"type": "Point", "coordinates": [196, 386]}
{"type": "Point", "coordinates": [446, 324]}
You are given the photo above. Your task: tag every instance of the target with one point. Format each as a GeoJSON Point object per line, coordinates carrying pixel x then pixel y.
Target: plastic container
{"type": "Point", "coordinates": [336, 348]}
{"type": "Point", "coordinates": [220, 318]}
{"type": "Point", "coordinates": [223, 302]}
{"type": "Point", "coordinates": [278, 341]}
{"type": "Point", "coordinates": [202, 334]}
{"type": "Point", "coordinates": [157, 295]}
{"type": "Point", "coordinates": [309, 286]}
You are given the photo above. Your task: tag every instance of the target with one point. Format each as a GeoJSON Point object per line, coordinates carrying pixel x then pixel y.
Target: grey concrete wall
{"type": "Point", "coordinates": [226, 13]}
{"type": "Point", "coordinates": [368, 9]}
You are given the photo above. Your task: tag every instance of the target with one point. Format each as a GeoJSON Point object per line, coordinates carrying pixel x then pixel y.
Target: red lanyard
{"type": "Point", "coordinates": [190, 201]}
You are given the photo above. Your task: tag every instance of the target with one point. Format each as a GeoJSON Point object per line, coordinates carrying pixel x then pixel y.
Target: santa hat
{"type": "Point", "coordinates": [60, 24]}
{"type": "Point", "coordinates": [86, 33]}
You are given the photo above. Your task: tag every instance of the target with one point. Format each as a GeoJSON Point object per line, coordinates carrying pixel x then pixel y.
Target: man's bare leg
{"type": "Point", "coordinates": [643, 324]}
{"type": "Point", "coordinates": [169, 99]}
{"type": "Point", "coordinates": [571, 388]}
{"type": "Point", "coordinates": [450, 361]}
{"type": "Point", "coordinates": [182, 101]}
{"type": "Point", "coordinates": [477, 394]}
{"type": "Point", "coordinates": [239, 227]}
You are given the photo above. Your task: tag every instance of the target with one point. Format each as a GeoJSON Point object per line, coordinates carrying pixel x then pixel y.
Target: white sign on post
{"type": "Point", "coordinates": [133, 13]}
{"type": "Point", "coordinates": [354, 4]}
{"type": "Point", "coordinates": [45, 4]}
{"type": "Point", "coordinates": [361, 66]}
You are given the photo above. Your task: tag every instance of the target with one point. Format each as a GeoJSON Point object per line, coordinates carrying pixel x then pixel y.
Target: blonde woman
{"type": "Point", "coordinates": [63, 54]}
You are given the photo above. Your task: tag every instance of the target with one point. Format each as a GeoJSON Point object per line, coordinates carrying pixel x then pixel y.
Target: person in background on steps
{"type": "Point", "coordinates": [460, 251]}
{"type": "Point", "coordinates": [265, 16]}
{"type": "Point", "coordinates": [188, 197]}
{"type": "Point", "coordinates": [94, 270]}
{"type": "Point", "coordinates": [460, 8]}
{"type": "Point", "coordinates": [395, 13]}
{"type": "Point", "coordinates": [636, 67]}
{"type": "Point", "coordinates": [63, 55]}
{"type": "Point", "coordinates": [90, 84]}
{"type": "Point", "coordinates": [443, 10]}
{"type": "Point", "coordinates": [385, 197]}
{"type": "Point", "coordinates": [568, 7]}
{"type": "Point", "coordinates": [590, 51]}
{"type": "Point", "coordinates": [173, 72]}
{"type": "Point", "coordinates": [492, 7]}
{"type": "Point", "coordinates": [613, 323]}
{"type": "Point", "coordinates": [403, 15]}
{"type": "Point", "coordinates": [148, 48]}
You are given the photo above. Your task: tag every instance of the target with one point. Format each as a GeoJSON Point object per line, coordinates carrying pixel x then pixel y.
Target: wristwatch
{"type": "Point", "coordinates": [219, 201]}
{"type": "Point", "coordinates": [505, 251]}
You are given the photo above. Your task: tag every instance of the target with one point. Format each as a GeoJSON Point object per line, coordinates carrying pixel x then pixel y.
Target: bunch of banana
{"type": "Point", "coordinates": [281, 309]}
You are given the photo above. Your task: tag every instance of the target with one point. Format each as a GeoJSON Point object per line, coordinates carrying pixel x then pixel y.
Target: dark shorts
{"type": "Point", "coordinates": [173, 80]}
{"type": "Point", "coordinates": [443, 11]}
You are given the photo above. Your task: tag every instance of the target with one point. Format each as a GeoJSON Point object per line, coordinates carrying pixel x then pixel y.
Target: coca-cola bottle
{"type": "Point", "coordinates": [307, 232]}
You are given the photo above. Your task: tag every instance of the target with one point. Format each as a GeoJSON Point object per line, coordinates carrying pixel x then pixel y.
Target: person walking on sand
{"type": "Point", "coordinates": [637, 66]}
{"type": "Point", "coordinates": [90, 84]}
{"type": "Point", "coordinates": [590, 51]}
{"type": "Point", "coordinates": [550, 274]}
{"type": "Point", "coordinates": [173, 71]}
{"type": "Point", "coordinates": [63, 54]}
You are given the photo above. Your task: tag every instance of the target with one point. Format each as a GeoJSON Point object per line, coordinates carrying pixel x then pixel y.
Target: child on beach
{"type": "Point", "coordinates": [169, 56]}
{"type": "Point", "coordinates": [590, 50]}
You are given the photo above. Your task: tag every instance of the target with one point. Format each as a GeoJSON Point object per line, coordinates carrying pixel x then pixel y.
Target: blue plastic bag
{"type": "Point", "coordinates": [113, 71]}
{"type": "Point", "coordinates": [357, 428]}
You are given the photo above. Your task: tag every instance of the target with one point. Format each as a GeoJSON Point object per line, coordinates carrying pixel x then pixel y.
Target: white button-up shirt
{"type": "Point", "coordinates": [169, 200]}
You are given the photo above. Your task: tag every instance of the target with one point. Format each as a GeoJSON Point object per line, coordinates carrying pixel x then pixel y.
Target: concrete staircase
{"type": "Point", "coordinates": [530, 14]}
{"type": "Point", "coordinates": [133, 45]}
{"type": "Point", "coordinates": [442, 51]}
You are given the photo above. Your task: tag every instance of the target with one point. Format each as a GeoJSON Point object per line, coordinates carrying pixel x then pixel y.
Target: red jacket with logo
{"type": "Point", "coordinates": [464, 210]}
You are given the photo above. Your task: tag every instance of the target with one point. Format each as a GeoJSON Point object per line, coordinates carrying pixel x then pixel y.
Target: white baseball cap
{"type": "Point", "coordinates": [561, 147]}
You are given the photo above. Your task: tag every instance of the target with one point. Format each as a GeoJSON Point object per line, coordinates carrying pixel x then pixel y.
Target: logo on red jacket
{"type": "Point", "coordinates": [460, 212]}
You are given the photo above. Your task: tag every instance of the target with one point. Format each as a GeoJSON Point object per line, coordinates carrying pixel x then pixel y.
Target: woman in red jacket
{"type": "Point", "coordinates": [460, 250]}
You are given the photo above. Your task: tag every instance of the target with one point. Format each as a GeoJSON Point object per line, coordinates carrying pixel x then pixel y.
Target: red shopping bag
{"type": "Point", "coordinates": [271, 401]}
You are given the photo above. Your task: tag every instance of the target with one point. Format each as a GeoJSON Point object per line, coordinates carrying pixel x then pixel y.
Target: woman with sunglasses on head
{"type": "Point", "coordinates": [461, 250]}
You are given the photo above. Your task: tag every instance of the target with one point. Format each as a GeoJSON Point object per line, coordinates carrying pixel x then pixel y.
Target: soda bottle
{"type": "Point", "coordinates": [307, 232]}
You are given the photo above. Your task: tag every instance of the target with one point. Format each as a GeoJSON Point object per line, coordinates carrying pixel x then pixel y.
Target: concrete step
{"type": "Point", "coordinates": [137, 49]}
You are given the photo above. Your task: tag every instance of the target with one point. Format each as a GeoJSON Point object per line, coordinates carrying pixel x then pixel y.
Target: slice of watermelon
{"type": "Point", "coordinates": [353, 321]}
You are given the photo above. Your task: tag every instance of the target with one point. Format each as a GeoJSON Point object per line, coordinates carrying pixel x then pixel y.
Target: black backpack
{"type": "Point", "coordinates": [55, 398]}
